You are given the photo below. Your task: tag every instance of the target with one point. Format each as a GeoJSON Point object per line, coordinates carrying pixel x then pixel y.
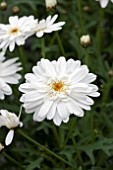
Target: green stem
{"type": "Point", "coordinates": [43, 47]}
{"type": "Point", "coordinates": [99, 39]}
{"type": "Point", "coordinates": [91, 126]}
{"type": "Point", "coordinates": [22, 58]}
{"type": "Point", "coordinates": [80, 17]}
{"type": "Point", "coordinates": [55, 134]}
{"type": "Point", "coordinates": [44, 148]}
{"type": "Point", "coordinates": [106, 94]}
{"type": "Point", "coordinates": [75, 144]}
{"type": "Point", "coordinates": [60, 44]}
{"type": "Point", "coordinates": [86, 56]}
{"type": "Point", "coordinates": [11, 159]}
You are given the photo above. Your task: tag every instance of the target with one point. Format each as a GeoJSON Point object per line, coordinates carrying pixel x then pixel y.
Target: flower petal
{"type": "Point", "coordinates": [9, 137]}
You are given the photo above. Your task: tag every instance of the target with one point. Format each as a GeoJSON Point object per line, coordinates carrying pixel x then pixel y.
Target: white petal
{"type": "Point", "coordinates": [62, 110]}
{"type": "Point", "coordinates": [45, 108]}
{"type": "Point", "coordinates": [104, 3]}
{"type": "Point", "coordinates": [9, 137]}
{"type": "Point", "coordinates": [39, 34]}
{"type": "Point", "coordinates": [61, 65]}
{"type": "Point", "coordinates": [52, 111]}
{"type": "Point", "coordinates": [12, 46]}
{"type": "Point", "coordinates": [57, 119]}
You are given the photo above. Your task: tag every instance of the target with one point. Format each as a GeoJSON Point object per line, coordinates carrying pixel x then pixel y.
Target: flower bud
{"type": "Point", "coordinates": [3, 5]}
{"type": "Point", "coordinates": [50, 3]}
{"type": "Point", "coordinates": [15, 9]}
{"type": "Point", "coordinates": [85, 40]}
{"type": "Point", "coordinates": [86, 9]}
{"type": "Point", "coordinates": [110, 73]}
{"type": "Point", "coordinates": [1, 147]}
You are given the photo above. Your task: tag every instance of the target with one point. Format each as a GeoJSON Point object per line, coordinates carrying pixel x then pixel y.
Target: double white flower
{"type": "Point", "coordinates": [57, 89]}
{"type": "Point", "coordinates": [104, 3]}
{"type": "Point", "coordinates": [11, 121]}
{"type": "Point", "coordinates": [19, 29]}
{"type": "Point", "coordinates": [8, 74]}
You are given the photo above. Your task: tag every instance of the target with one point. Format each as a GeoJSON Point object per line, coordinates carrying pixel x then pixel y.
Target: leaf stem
{"type": "Point", "coordinates": [43, 47]}
{"type": "Point", "coordinates": [44, 148]}
{"type": "Point", "coordinates": [60, 44]}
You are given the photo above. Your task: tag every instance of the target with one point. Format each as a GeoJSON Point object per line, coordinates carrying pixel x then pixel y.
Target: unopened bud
{"type": "Point", "coordinates": [50, 3]}
{"type": "Point", "coordinates": [85, 40]}
{"type": "Point", "coordinates": [110, 73]}
{"type": "Point", "coordinates": [1, 147]}
{"type": "Point", "coordinates": [15, 9]}
{"type": "Point", "coordinates": [3, 5]}
{"type": "Point", "coordinates": [86, 9]}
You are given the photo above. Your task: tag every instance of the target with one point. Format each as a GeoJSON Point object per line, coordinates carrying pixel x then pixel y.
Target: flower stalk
{"type": "Point", "coordinates": [44, 148]}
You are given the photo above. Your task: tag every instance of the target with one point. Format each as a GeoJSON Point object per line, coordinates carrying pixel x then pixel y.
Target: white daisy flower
{"type": "Point", "coordinates": [1, 147]}
{"type": "Point", "coordinates": [104, 3]}
{"type": "Point", "coordinates": [11, 121]}
{"type": "Point", "coordinates": [48, 26]}
{"type": "Point", "coordinates": [8, 74]}
{"type": "Point", "coordinates": [50, 3]}
{"type": "Point", "coordinates": [16, 32]}
{"type": "Point", "coordinates": [57, 89]}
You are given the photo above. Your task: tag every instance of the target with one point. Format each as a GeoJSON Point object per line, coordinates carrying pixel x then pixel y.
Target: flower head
{"type": "Point", "coordinates": [8, 74]}
{"type": "Point", "coordinates": [104, 3]}
{"type": "Point", "coordinates": [50, 3]}
{"type": "Point", "coordinates": [57, 89]}
{"type": "Point", "coordinates": [16, 32]}
{"type": "Point", "coordinates": [85, 40]}
{"type": "Point", "coordinates": [48, 26]}
{"type": "Point", "coordinates": [11, 121]}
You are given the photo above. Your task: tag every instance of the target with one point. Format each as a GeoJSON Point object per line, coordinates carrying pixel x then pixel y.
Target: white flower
{"type": "Point", "coordinates": [50, 3]}
{"type": "Point", "coordinates": [104, 3]}
{"type": "Point", "coordinates": [8, 74]}
{"type": "Point", "coordinates": [11, 121]}
{"type": "Point", "coordinates": [85, 40]}
{"type": "Point", "coordinates": [48, 26]}
{"type": "Point", "coordinates": [16, 32]}
{"type": "Point", "coordinates": [57, 89]}
{"type": "Point", "coordinates": [1, 147]}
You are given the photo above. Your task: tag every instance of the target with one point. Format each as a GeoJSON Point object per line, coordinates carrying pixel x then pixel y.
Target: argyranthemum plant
{"type": "Point", "coordinates": [8, 74]}
{"type": "Point", "coordinates": [57, 89]}
{"type": "Point", "coordinates": [16, 32]}
{"type": "Point", "coordinates": [11, 121]}
{"type": "Point", "coordinates": [104, 3]}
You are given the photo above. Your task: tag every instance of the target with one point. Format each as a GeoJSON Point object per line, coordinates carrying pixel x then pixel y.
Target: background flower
{"type": "Point", "coordinates": [16, 32]}
{"type": "Point", "coordinates": [48, 26]}
{"type": "Point", "coordinates": [57, 89]}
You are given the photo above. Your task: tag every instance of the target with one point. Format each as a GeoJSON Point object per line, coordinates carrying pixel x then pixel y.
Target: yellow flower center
{"type": "Point", "coordinates": [14, 30]}
{"type": "Point", "coordinates": [57, 86]}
